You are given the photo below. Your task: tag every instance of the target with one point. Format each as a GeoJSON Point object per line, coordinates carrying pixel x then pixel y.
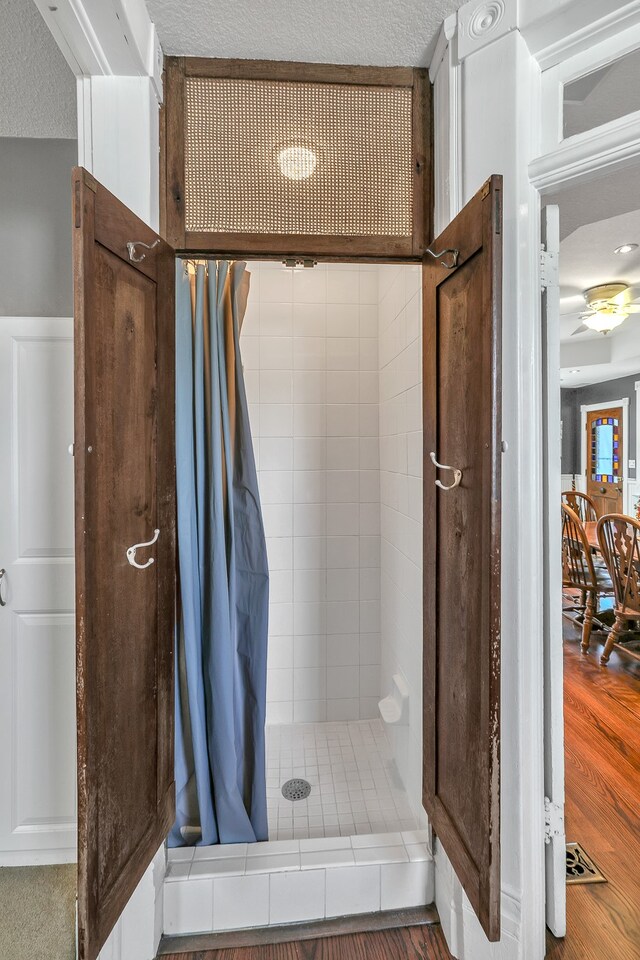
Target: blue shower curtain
{"type": "Point", "coordinates": [221, 635]}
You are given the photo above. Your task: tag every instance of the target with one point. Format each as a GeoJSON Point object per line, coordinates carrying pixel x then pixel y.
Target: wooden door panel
{"type": "Point", "coordinates": [458, 604]}
{"type": "Point", "coordinates": [462, 549]}
{"type": "Point", "coordinates": [125, 514]}
{"type": "Point", "coordinates": [605, 491]}
{"type": "Point", "coordinates": [125, 490]}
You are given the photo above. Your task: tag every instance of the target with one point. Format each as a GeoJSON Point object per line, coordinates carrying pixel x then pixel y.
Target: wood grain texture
{"type": "Point", "coordinates": [602, 752]}
{"type": "Point", "coordinates": [276, 246]}
{"type": "Point", "coordinates": [172, 172]}
{"type": "Point", "coordinates": [423, 188]}
{"type": "Point", "coordinates": [296, 72]}
{"type": "Point", "coordinates": [414, 943]}
{"type": "Point", "coordinates": [309, 930]}
{"type": "Point", "coordinates": [125, 488]}
{"type": "Point", "coordinates": [461, 586]}
{"type": "Point", "coordinates": [350, 248]}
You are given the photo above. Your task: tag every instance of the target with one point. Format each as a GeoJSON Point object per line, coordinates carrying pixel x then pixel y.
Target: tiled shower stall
{"type": "Point", "coordinates": [332, 363]}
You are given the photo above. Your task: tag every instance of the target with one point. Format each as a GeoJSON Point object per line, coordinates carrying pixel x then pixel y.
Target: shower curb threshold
{"type": "Point", "coordinates": [209, 890]}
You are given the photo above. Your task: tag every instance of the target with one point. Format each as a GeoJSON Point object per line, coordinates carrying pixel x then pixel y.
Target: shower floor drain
{"type": "Point", "coordinates": [296, 789]}
{"type": "Point", "coordinates": [580, 866]}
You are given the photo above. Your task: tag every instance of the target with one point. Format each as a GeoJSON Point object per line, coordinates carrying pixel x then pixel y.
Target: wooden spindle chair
{"type": "Point", "coordinates": [580, 573]}
{"type": "Point", "coordinates": [582, 504]}
{"type": "Point", "coordinates": [619, 539]}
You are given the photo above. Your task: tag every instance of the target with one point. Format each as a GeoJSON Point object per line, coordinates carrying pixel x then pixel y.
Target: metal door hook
{"type": "Point", "coordinates": [131, 552]}
{"type": "Point", "coordinates": [457, 474]}
{"type": "Point", "coordinates": [131, 248]}
{"type": "Point", "coordinates": [441, 253]}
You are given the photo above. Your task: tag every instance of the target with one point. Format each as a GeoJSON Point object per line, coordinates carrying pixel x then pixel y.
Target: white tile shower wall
{"type": "Point", "coordinates": [400, 339]}
{"type": "Point", "coordinates": [310, 352]}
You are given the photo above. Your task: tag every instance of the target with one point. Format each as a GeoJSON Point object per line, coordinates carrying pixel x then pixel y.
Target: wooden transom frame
{"type": "Point", "coordinates": [371, 248]}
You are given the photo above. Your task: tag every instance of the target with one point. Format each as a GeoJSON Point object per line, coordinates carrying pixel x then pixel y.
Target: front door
{"type": "Point", "coordinates": [462, 442]}
{"type": "Point", "coordinates": [605, 450]}
{"type": "Point", "coordinates": [125, 546]}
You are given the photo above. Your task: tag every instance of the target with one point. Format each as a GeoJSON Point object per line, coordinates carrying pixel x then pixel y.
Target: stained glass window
{"type": "Point", "coordinates": [605, 450]}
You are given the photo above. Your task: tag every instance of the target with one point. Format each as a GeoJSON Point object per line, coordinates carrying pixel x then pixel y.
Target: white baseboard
{"type": "Point", "coordinates": [37, 858]}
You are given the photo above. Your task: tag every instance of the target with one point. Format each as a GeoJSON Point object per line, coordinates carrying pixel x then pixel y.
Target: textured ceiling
{"type": "Point", "coordinates": [37, 88]}
{"type": "Point", "coordinates": [587, 259]}
{"type": "Point", "coordinates": [380, 32]}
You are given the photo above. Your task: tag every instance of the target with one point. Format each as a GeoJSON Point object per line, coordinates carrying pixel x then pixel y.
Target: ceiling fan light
{"type": "Point", "coordinates": [604, 322]}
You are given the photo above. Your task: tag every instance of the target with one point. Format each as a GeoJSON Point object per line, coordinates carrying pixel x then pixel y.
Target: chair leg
{"type": "Point", "coordinates": [578, 605]}
{"type": "Point", "coordinates": [589, 613]}
{"type": "Point", "coordinates": [616, 631]}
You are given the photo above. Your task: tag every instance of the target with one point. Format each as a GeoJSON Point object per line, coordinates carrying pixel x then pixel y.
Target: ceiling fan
{"type": "Point", "coordinates": [608, 305]}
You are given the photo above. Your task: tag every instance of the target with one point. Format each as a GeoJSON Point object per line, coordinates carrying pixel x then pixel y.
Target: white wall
{"type": "Point", "coordinates": [400, 360]}
{"type": "Point", "coordinates": [35, 227]}
{"type": "Point", "coordinates": [38, 88]}
{"type": "Point", "coordinates": [310, 353]}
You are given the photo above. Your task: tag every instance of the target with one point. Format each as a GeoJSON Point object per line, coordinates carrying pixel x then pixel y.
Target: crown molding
{"type": "Point", "coordinates": [562, 35]}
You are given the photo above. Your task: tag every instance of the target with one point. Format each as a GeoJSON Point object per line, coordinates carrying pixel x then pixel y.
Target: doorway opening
{"type": "Point", "coordinates": [333, 377]}
{"type": "Point", "coordinates": [460, 358]}
{"type": "Point", "coordinates": [597, 371]}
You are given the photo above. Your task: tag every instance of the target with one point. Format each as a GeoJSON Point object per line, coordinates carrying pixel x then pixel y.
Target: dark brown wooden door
{"type": "Point", "coordinates": [462, 423]}
{"type": "Point", "coordinates": [125, 491]}
{"type": "Point", "coordinates": [605, 450]}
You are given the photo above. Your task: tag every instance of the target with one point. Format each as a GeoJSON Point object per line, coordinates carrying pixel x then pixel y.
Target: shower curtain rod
{"type": "Point", "coordinates": [305, 262]}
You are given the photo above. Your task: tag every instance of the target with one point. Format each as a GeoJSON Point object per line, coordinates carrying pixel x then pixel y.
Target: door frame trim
{"type": "Point", "coordinates": [591, 156]}
{"type": "Point", "coordinates": [586, 408]}
{"type": "Point", "coordinates": [636, 452]}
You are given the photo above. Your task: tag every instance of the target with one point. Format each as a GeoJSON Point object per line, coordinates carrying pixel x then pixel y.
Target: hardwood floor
{"type": "Point", "coordinates": [602, 750]}
{"type": "Point", "coordinates": [414, 943]}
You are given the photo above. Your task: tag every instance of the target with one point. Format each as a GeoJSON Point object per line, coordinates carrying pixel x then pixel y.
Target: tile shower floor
{"type": "Point", "coordinates": [355, 787]}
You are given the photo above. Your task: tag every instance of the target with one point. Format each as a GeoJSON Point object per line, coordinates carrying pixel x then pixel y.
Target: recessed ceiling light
{"type": "Point", "coordinates": [574, 371]}
{"type": "Point", "coordinates": [297, 163]}
{"type": "Point", "coordinates": [626, 248]}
